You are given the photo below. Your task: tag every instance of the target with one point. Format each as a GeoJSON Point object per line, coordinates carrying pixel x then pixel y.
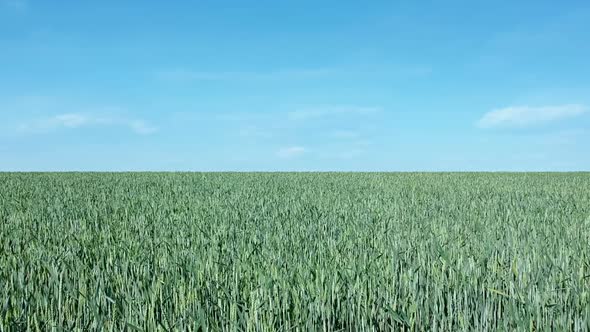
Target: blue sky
{"type": "Point", "coordinates": [294, 85]}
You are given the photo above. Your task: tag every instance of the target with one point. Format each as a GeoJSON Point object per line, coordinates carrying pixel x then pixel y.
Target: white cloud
{"type": "Point", "coordinates": [291, 152]}
{"type": "Point", "coordinates": [141, 127]}
{"type": "Point", "coordinates": [79, 120]}
{"type": "Point", "coordinates": [71, 120]}
{"type": "Point", "coordinates": [525, 116]}
{"type": "Point", "coordinates": [66, 120]}
{"type": "Point", "coordinates": [314, 113]}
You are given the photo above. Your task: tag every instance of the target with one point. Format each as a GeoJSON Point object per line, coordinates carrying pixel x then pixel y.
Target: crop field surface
{"type": "Point", "coordinates": [295, 251]}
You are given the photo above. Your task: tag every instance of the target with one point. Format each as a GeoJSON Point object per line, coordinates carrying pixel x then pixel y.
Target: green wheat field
{"type": "Point", "coordinates": [294, 251]}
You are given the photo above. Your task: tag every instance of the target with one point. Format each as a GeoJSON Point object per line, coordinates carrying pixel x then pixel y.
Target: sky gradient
{"type": "Point", "coordinates": [294, 86]}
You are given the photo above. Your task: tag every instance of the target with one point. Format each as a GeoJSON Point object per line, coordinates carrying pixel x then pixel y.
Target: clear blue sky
{"type": "Point", "coordinates": [294, 85]}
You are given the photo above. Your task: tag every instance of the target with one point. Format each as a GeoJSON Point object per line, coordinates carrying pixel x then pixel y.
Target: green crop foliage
{"type": "Point", "coordinates": [294, 251]}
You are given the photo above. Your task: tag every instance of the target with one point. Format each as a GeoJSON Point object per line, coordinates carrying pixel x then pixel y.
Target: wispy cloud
{"type": "Point", "coordinates": [141, 127]}
{"type": "Point", "coordinates": [290, 152]}
{"type": "Point", "coordinates": [183, 74]}
{"type": "Point", "coordinates": [314, 113]}
{"type": "Point", "coordinates": [71, 120]}
{"type": "Point", "coordinates": [525, 116]}
{"type": "Point", "coordinates": [79, 120]}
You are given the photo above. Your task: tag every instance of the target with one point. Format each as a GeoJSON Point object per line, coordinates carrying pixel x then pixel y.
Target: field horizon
{"type": "Point", "coordinates": [295, 251]}
{"type": "Point", "coordinates": [293, 172]}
